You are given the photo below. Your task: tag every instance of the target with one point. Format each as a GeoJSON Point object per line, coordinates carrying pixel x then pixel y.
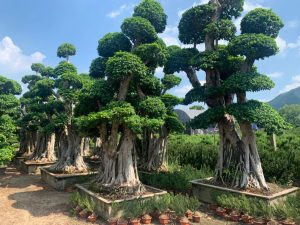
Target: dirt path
{"type": "Point", "coordinates": [26, 200]}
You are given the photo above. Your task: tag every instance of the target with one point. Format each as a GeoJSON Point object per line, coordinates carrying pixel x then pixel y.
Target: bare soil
{"type": "Point", "coordinates": [26, 200]}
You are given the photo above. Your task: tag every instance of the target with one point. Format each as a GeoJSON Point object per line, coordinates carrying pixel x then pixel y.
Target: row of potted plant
{"type": "Point", "coordinates": [236, 216]}
{"type": "Point", "coordinates": [83, 207]}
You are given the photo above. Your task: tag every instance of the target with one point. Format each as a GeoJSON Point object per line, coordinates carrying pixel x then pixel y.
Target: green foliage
{"type": "Point", "coordinates": [291, 114]}
{"type": "Point", "coordinates": [135, 208]}
{"type": "Point", "coordinates": [290, 208]}
{"type": "Point", "coordinates": [253, 46]}
{"type": "Point", "coordinates": [112, 43]}
{"type": "Point", "coordinates": [6, 152]}
{"type": "Point", "coordinates": [139, 30]}
{"type": "Point", "coordinates": [170, 80]}
{"type": "Point", "coordinates": [66, 50]}
{"type": "Point", "coordinates": [231, 8]}
{"type": "Point", "coordinates": [30, 80]}
{"type": "Point", "coordinates": [122, 65]}
{"type": "Point", "coordinates": [97, 68]}
{"type": "Point", "coordinates": [179, 59]}
{"type": "Point", "coordinates": [221, 30]}
{"type": "Point", "coordinates": [153, 54]}
{"type": "Point", "coordinates": [149, 84]}
{"type": "Point", "coordinates": [48, 72]}
{"type": "Point", "coordinates": [261, 21]}
{"type": "Point", "coordinates": [9, 104]}
{"type": "Point", "coordinates": [154, 12]}
{"type": "Point", "coordinates": [64, 67]}
{"type": "Point", "coordinates": [197, 107]}
{"type": "Point", "coordinates": [193, 23]}
{"type": "Point", "coordinates": [8, 86]}
{"type": "Point", "coordinates": [170, 101]}
{"type": "Point", "coordinates": [260, 113]}
{"type": "Point", "coordinates": [152, 107]}
{"type": "Point", "coordinates": [251, 81]}
{"type": "Point", "coordinates": [195, 95]}
{"type": "Point", "coordinates": [281, 166]}
{"type": "Point", "coordinates": [37, 67]}
{"type": "Point", "coordinates": [173, 124]}
{"type": "Point", "coordinates": [207, 118]}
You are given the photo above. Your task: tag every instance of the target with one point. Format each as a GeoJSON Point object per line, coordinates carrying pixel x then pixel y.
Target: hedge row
{"type": "Point", "coordinates": [282, 166]}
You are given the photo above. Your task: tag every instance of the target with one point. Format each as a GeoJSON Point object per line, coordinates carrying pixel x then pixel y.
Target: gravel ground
{"type": "Point", "coordinates": [26, 200]}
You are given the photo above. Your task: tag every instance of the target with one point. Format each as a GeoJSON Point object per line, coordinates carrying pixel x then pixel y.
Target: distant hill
{"type": "Point", "coordinates": [288, 98]}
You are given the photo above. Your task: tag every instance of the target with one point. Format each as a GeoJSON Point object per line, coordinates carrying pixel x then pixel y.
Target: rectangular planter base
{"type": "Point", "coordinates": [103, 207]}
{"type": "Point", "coordinates": [63, 181]}
{"type": "Point", "coordinates": [20, 159]}
{"type": "Point", "coordinates": [208, 193]}
{"type": "Point", "coordinates": [31, 167]}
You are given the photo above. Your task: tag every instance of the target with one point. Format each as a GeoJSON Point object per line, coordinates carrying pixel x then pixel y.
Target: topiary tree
{"type": "Point", "coordinates": [125, 102]}
{"type": "Point", "coordinates": [9, 113]}
{"type": "Point", "coordinates": [40, 108]}
{"type": "Point", "coordinates": [229, 71]}
{"type": "Point", "coordinates": [66, 50]}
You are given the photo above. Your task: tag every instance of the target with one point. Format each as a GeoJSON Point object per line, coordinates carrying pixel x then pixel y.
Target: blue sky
{"type": "Point", "coordinates": [32, 30]}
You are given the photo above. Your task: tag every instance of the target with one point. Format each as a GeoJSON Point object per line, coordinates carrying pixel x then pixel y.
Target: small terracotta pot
{"type": "Point", "coordinates": [112, 221]}
{"type": "Point", "coordinates": [155, 215]}
{"type": "Point", "coordinates": [258, 222]}
{"type": "Point", "coordinates": [213, 207]}
{"type": "Point", "coordinates": [228, 210]}
{"type": "Point", "coordinates": [92, 218]}
{"type": "Point", "coordinates": [235, 216]}
{"type": "Point", "coordinates": [288, 222]}
{"type": "Point", "coordinates": [220, 212]}
{"type": "Point", "coordinates": [184, 221]}
{"type": "Point", "coordinates": [78, 209]}
{"type": "Point", "coordinates": [196, 218]}
{"type": "Point", "coordinates": [122, 222]}
{"type": "Point", "coordinates": [83, 214]}
{"type": "Point", "coordinates": [135, 221]}
{"type": "Point", "coordinates": [164, 219]}
{"type": "Point", "coordinates": [189, 214]}
{"type": "Point", "coordinates": [247, 219]}
{"type": "Point", "coordinates": [146, 219]}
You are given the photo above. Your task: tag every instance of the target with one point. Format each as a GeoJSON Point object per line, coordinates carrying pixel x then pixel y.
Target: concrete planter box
{"type": "Point", "coordinates": [103, 207]}
{"type": "Point", "coordinates": [63, 181]}
{"type": "Point", "coordinates": [32, 167]}
{"type": "Point", "coordinates": [208, 193]}
{"type": "Point", "coordinates": [20, 159]}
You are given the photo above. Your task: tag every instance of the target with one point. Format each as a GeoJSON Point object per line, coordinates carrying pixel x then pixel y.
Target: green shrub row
{"type": "Point", "coordinates": [176, 179]}
{"type": "Point", "coordinates": [290, 208]}
{"type": "Point", "coordinates": [281, 166]}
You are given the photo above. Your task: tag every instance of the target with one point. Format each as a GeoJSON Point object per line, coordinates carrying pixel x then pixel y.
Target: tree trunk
{"type": "Point", "coordinates": [27, 143]}
{"type": "Point", "coordinates": [156, 151]}
{"type": "Point", "coordinates": [44, 151]}
{"type": "Point", "coordinates": [86, 146]}
{"type": "Point", "coordinates": [119, 170]}
{"type": "Point", "coordinates": [71, 153]}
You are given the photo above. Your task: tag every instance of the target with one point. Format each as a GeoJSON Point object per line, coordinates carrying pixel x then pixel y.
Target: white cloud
{"type": "Point", "coordinates": [295, 44]}
{"type": "Point", "coordinates": [292, 23]}
{"type": "Point", "coordinates": [170, 36]}
{"type": "Point", "coordinates": [13, 60]}
{"type": "Point", "coordinates": [201, 2]}
{"type": "Point", "coordinates": [295, 83]}
{"type": "Point", "coordinates": [275, 75]}
{"type": "Point", "coordinates": [252, 4]}
{"type": "Point", "coordinates": [281, 43]}
{"type": "Point", "coordinates": [115, 13]}
{"type": "Point", "coordinates": [181, 91]}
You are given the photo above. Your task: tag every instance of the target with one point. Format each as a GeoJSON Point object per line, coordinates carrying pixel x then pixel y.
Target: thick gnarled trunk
{"type": "Point", "coordinates": [118, 172]}
{"type": "Point", "coordinates": [71, 147]}
{"type": "Point", "coordinates": [155, 149]}
{"type": "Point", "coordinates": [27, 143]}
{"type": "Point", "coordinates": [44, 150]}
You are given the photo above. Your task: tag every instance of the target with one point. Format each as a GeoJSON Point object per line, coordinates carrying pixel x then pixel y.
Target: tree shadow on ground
{"type": "Point", "coordinates": [42, 203]}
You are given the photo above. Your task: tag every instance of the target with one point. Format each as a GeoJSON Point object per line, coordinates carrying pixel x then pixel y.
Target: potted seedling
{"type": "Point", "coordinates": [189, 214]}
{"type": "Point", "coordinates": [184, 221]}
{"type": "Point", "coordinates": [247, 219]}
{"type": "Point", "coordinates": [90, 206]}
{"type": "Point", "coordinates": [197, 217]}
{"type": "Point", "coordinates": [235, 216]}
{"type": "Point", "coordinates": [288, 222]}
{"type": "Point", "coordinates": [122, 221]}
{"type": "Point", "coordinates": [258, 221]}
{"type": "Point", "coordinates": [221, 212]}
{"type": "Point", "coordinates": [164, 219]}
{"type": "Point", "coordinates": [146, 219]}
{"type": "Point", "coordinates": [112, 221]}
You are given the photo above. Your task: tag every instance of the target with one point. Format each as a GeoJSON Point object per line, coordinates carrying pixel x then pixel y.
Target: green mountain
{"type": "Point", "coordinates": [288, 98]}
